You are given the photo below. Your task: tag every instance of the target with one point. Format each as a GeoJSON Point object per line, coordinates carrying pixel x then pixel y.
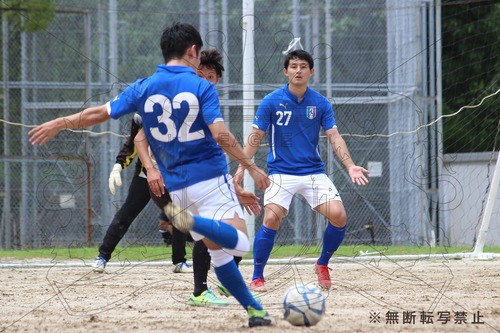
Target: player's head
{"type": "Point", "coordinates": [180, 39]}
{"type": "Point", "coordinates": [210, 67]}
{"type": "Point", "coordinates": [298, 67]}
{"type": "Point", "coordinates": [299, 55]}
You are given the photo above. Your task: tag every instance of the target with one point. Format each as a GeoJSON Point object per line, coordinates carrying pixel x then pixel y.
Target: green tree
{"type": "Point", "coordinates": [29, 15]}
{"type": "Point", "coordinates": [471, 71]}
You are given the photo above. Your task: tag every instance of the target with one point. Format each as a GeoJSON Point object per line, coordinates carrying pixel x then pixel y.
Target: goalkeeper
{"type": "Point", "coordinates": [137, 198]}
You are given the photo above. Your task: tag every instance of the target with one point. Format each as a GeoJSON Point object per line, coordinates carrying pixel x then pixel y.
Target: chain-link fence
{"type": "Point", "coordinates": [371, 60]}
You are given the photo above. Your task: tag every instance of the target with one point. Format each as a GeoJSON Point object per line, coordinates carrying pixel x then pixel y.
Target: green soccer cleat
{"type": "Point", "coordinates": [259, 318]}
{"type": "Point", "coordinates": [224, 292]}
{"type": "Point", "coordinates": [207, 298]}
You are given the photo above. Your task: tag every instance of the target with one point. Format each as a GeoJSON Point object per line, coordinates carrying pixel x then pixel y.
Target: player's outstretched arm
{"type": "Point", "coordinates": [155, 180]}
{"type": "Point", "coordinates": [41, 134]}
{"type": "Point", "coordinates": [250, 150]}
{"type": "Point", "coordinates": [339, 146]}
{"type": "Point", "coordinates": [228, 143]}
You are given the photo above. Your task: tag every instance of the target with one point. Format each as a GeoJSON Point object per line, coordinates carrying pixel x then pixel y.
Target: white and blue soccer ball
{"type": "Point", "coordinates": [303, 305]}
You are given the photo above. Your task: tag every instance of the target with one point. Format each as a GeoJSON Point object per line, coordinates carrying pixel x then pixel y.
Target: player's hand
{"type": "Point", "coordinates": [357, 175]}
{"type": "Point", "coordinates": [46, 131]}
{"type": "Point", "coordinates": [155, 181]}
{"type": "Point", "coordinates": [260, 177]}
{"type": "Point", "coordinates": [248, 200]}
{"type": "Point", "coordinates": [115, 178]}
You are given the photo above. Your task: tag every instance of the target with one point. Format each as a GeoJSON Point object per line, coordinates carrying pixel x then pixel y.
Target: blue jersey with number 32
{"type": "Point", "coordinates": [176, 108]}
{"type": "Point", "coordinates": [294, 129]}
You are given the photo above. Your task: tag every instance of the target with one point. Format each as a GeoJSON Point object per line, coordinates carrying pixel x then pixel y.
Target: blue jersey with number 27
{"type": "Point", "coordinates": [176, 108]}
{"type": "Point", "coordinates": [294, 129]}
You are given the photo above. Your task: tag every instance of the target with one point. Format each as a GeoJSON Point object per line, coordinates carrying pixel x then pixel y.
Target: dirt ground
{"type": "Point", "coordinates": [367, 296]}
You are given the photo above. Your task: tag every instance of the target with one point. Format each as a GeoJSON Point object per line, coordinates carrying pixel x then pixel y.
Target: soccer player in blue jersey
{"type": "Point", "coordinates": [294, 115]}
{"type": "Point", "coordinates": [210, 69]}
{"type": "Point", "coordinates": [187, 135]}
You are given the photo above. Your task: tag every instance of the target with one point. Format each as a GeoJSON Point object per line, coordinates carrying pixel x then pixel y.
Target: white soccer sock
{"type": "Point", "coordinates": [242, 247]}
{"type": "Point", "coordinates": [220, 257]}
{"type": "Point", "coordinates": [196, 236]}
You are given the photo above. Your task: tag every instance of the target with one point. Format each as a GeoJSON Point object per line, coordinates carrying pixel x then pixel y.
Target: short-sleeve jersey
{"type": "Point", "coordinates": [176, 108]}
{"type": "Point", "coordinates": [294, 130]}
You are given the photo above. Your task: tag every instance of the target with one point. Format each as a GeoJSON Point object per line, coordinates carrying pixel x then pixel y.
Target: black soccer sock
{"type": "Point", "coordinates": [237, 260]}
{"type": "Point", "coordinates": [201, 266]}
{"type": "Point", "coordinates": [178, 247]}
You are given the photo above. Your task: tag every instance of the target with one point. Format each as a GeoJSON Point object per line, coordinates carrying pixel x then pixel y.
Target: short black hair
{"type": "Point", "coordinates": [299, 54]}
{"type": "Point", "coordinates": [177, 38]}
{"type": "Point", "coordinates": [211, 59]}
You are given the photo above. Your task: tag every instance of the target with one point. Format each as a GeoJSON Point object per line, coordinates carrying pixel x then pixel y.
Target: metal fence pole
{"type": "Point", "coordinates": [6, 216]}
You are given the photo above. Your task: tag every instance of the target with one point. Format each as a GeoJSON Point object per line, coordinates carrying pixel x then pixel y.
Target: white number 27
{"type": "Point", "coordinates": [283, 114]}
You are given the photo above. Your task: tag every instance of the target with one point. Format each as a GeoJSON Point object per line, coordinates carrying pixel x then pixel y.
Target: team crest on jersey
{"type": "Point", "coordinates": [311, 112]}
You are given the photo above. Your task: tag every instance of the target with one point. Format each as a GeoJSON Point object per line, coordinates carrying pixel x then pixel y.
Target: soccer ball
{"type": "Point", "coordinates": [303, 305]}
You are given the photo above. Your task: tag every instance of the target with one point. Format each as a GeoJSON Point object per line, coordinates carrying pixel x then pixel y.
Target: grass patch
{"type": "Point", "coordinates": [141, 253]}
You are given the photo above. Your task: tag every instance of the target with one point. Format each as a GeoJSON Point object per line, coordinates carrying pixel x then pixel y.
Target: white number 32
{"type": "Point", "coordinates": [183, 133]}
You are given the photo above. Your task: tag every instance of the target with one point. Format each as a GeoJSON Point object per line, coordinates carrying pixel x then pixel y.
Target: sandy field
{"type": "Point", "coordinates": [368, 296]}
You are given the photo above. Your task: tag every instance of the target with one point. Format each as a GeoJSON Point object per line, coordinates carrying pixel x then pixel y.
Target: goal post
{"type": "Point", "coordinates": [486, 218]}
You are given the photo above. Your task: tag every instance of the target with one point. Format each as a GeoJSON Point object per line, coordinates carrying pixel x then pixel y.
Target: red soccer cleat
{"type": "Point", "coordinates": [258, 285]}
{"type": "Point", "coordinates": [323, 273]}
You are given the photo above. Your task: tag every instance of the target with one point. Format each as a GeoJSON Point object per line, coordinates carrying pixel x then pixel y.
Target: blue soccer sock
{"type": "Point", "coordinates": [262, 247]}
{"type": "Point", "coordinates": [221, 233]}
{"type": "Point", "coordinates": [231, 278]}
{"type": "Point", "coordinates": [331, 241]}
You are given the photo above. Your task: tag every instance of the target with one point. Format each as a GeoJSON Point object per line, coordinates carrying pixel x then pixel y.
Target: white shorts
{"type": "Point", "coordinates": [316, 189]}
{"type": "Point", "coordinates": [214, 199]}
